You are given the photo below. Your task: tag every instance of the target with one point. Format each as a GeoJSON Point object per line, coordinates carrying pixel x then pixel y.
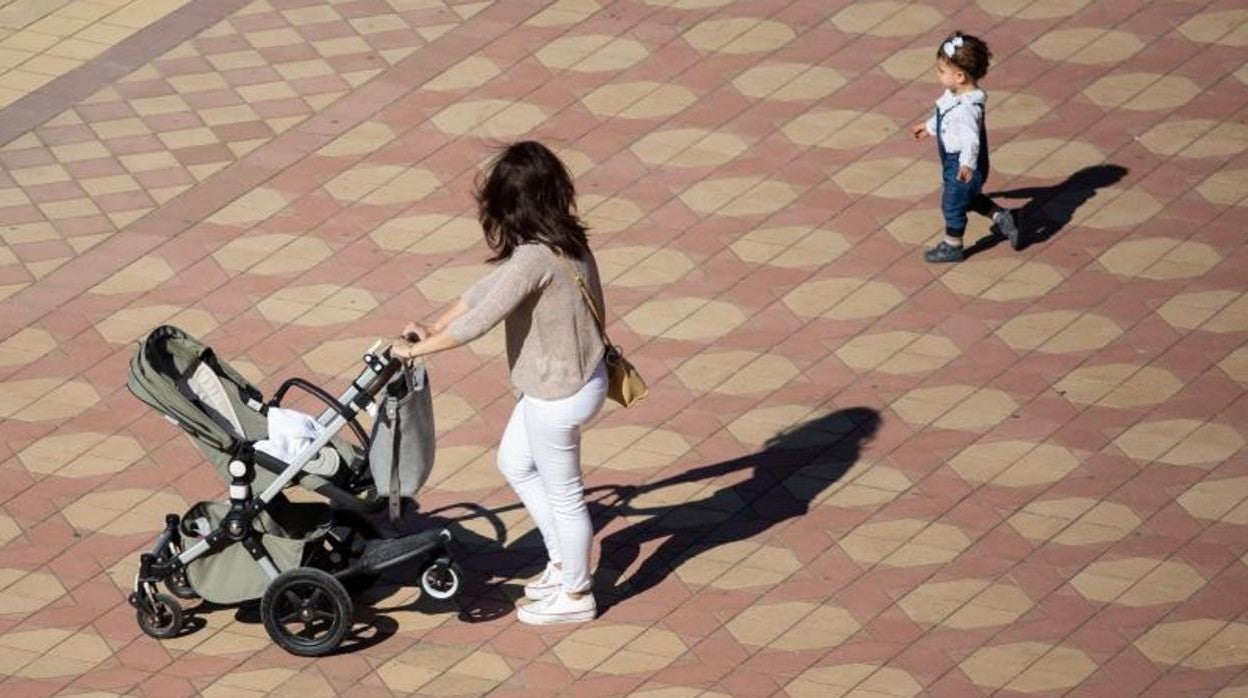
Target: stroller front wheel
{"type": "Point", "coordinates": [164, 620]}
{"type": "Point", "coordinates": [440, 579]}
{"type": "Point", "coordinates": [306, 611]}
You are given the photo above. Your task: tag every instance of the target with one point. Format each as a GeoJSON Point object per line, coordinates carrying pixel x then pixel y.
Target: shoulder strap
{"type": "Point", "coordinates": [593, 309]}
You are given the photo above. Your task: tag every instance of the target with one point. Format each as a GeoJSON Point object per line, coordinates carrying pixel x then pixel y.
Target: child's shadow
{"type": "Point", "coordinates": [791, 471]}
{"type": "Point", "coordinates": [1050, 209]}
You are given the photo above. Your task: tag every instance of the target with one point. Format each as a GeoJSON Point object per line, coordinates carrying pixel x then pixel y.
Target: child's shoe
{"type": "Point", "coordinates": [1003, 224]}
{"type": "Point", "coordinates": [543, 585]}
{"type": "Point", "coordinates": [557, 608]}
{"type": "Point", "coordinates": [944, 253]}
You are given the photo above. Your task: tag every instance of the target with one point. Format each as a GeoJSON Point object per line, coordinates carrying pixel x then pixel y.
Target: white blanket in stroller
{"type": "Point", "coordinates": [291, 431]}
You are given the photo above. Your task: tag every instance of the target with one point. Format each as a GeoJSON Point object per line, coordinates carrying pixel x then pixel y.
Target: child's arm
{"type": "Point", "coordinates": [925, 129]}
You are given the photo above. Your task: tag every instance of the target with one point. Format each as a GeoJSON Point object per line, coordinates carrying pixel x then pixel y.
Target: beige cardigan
{"type": "Point", "coordinates": [553, 344]}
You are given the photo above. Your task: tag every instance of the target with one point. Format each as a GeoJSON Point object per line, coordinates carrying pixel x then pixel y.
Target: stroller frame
{"type": "Point", "coordinates": [325, 598]}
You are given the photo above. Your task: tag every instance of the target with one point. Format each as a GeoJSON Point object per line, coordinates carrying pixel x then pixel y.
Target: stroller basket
{"type": "Point", "coordinates": [297, 558]}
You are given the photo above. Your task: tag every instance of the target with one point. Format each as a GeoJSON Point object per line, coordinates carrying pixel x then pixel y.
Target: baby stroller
{"type": "Point", "coordinates": [300, 559]}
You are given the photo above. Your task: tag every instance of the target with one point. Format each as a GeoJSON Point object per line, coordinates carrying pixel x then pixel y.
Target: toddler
{"type": "Point", "coordinates": [962, 141]}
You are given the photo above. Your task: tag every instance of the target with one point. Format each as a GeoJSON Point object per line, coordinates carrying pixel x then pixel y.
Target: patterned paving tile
{"type": "Point", "coordinates": [856, 474]}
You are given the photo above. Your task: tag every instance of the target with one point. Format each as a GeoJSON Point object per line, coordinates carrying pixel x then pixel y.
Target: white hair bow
{"type": "Point", "coordinates": [951, 46]}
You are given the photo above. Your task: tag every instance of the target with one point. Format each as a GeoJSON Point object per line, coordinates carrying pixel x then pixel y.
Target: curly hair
{"type": "Point", "coordinates": [969, 54]}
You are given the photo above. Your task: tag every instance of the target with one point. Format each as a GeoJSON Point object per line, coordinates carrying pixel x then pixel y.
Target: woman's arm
{"type": "Point", "coordinates": [440, 341]}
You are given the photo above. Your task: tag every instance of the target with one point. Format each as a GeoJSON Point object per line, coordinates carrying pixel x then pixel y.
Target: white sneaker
{"type": "Point", "coordinates": [559, 608]}
{"type": "Point", "coordinates": [545, 585]}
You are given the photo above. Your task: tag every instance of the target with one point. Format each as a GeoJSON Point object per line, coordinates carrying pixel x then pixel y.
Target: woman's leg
{"type": "Point", "coordinates": [515, 461]}
{"type": "Point", "coordinates": [554, 431]}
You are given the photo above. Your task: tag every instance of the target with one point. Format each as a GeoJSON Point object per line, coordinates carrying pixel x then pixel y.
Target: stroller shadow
{"type": "Point", "coordinates": [1050, 209]}
{"type": "Point", "coordinates": [791, 471]}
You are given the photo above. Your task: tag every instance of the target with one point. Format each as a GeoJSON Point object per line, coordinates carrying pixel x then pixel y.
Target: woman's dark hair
{"type": "Point", "coordinates": [970, 54]}
{"type": "Point", "coordinates": [526, 195]}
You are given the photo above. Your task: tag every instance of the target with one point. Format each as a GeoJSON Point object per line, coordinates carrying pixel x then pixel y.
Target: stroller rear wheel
{"type": "Point", "coordinates": [164, 620]}
{"type": "Point", "coordinates": [306, 611]}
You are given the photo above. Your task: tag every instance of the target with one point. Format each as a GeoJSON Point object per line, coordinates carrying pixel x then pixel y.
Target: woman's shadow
{"type": "Point", "coordinates": [1050, 209]}
{"type": "Point", "coordinates": [791, 471]}
{"type": "Point", "coordinates": [794, 468]}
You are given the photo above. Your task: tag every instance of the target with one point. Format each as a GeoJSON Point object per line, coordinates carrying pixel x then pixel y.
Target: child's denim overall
{"type": "Point", "coordinates": [958, 197]}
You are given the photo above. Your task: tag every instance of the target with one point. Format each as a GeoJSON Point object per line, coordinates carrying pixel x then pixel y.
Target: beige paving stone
{"type": "Point", "coordinates": [765, 567]}
{"type": "Point", "coordinates": [642, 266]}
{"type": "Point", "coordinates": [1059, 332]}
{"type": "Point", "coordinates": [367, 137]}
{"type": "Point", "coordinates": [1117, 208]}
{"type": "Point", "coordinates": [996, 666]}
{"type": "Point", "coordinates": [638, 100]}
{"type": "Point", "coordinates": [915, 227]}
{"type": "Point", "coordinates": [1002, 279]}
{"type": "Point", "coordinates": [355, 183]}
{"type": "Point", "coordinates": [1211, 311]}
{"type": "Point", "coordinates": [1119, 385]}
{"type": "Point", "coordinates": [1142, 91]}
{"type": "Point", "coordinates": [790, 246]}
{"type": "Point", "coordinates": [420, 665]}
{"type": "Point", "coordinates": [1225, 27]}
{"type": "Point", "coordinates": [860, 680]}
{"type": "Point", "coordinates": [130, 324]}
{"type": "Point", "coordinates": [1228, 648]}
{"type": "Point", "coordinates": [841, 130]}
{"type": "Point", "coordinates": [1014, 463]}
{"type": "Point", "coordinates": [1138, 582]}
{"type": "Point", "coordinates": [738, 196]}
{"type": "Point", "coordinates": [1196, 138]}
{"type": "Point", "coordinates": [788, 82]}
{"type": "Point", "coordinates": [8, 531]}
{"type": "Point", "coordinates": [1171, 643]}
{"type": "Point", "coordinates": [736, 372]}
{"type": "Point", "coordinates": [739, 35]}
{"type": "Point", "coordinates": [608, 214]}
{"type": "Point", "coordinates": [26, 592]}
{"type": "Point", "coordinates": [793, 626]}
{"type": "Point", "coordinates": [898, 352]}
{"type": "Point", "coordinates": [122, 512]}
{"type": "Point", "coordinates": [591, 53]}
{"type": "Point", "coordinates": [1221, 499]}
{"type": "Point", "coordinates": [1059, 668]}
{"type": "Point", "coordinates": [758, 426]}
{"type": "Point", "coordinates": [81, 454]}
{"type": "Point", "coordinates": [955, 407]}
{"type": "Point", "coordinates": [684, 318]}
{"type": "Point", "coordinates": [1017, 109]}
{"type": "Point", "coordinates": [904, 543]}
{"type": "Point", "coordinates": [428, 234]}
{"type": "Point", "coordinates": [632, 447]}
{"type": "Point", "coordinates": [1235, 365]}
{"type": "Point", "coordinates": [1102, 523]}
{"type": "Point", "coordinates": [843, 299]}
{"type": "Point", "coordinates": [45, 399]}
{"type": "Point", "coordinates": [1181, 442]}
{"type": "Point", "coordinates": [489, 118]}
{"type": "Point", "coordinates": [889, 178]}
{"type": "Point", "coordinates": [565, 12]}
{"type": "Point", "coordinates": [1226, 187]}
{"type": "Point", "coordinates": [866, 485]}
{"type": "Point", "coordinates": [914, 64]}
{"type": "Point", "coordinates": [887, 19]}
{"type": "Point", "coordinates": [143, 274]}
{"type": "Point", "coordinates": [26, 346]}
{"type": "Point", "coordinates": [1047, 158]}
{"type": "Point", "coordinates": [260, 681]}
{"type": "Point", "coordinates": [688, 147]}
{"type": "Point", "coordinates": [317, 305]}
{"type": "Point", "coordinates": [688, 4]}
{"type": "Point", "coordinates": [1088, 45]}
{"type": "Point", "coordinates": [1074, 521]}
{"type": "Point", "coordinates": [588, 647]}
{"type": "Point", "coordinates": [445, 284]}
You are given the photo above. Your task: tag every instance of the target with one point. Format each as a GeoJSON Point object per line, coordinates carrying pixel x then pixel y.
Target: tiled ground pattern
{"type": "Point", "coordinates": [1053, 502]}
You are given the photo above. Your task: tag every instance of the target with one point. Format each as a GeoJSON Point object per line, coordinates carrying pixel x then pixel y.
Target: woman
{"type": "Point", "coordinates": [526, 205]}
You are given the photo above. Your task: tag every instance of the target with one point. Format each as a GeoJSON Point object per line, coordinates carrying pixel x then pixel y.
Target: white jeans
{"type": "Point", "coordinates": [540, 455]}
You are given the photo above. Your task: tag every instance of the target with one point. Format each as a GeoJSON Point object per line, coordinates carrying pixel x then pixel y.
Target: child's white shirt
{"type": "Point", "coordinates": [959, 125]}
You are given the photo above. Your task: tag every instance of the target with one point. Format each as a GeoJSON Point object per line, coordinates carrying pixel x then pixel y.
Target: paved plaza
{"type": "Point", "coordinates": [857, 474]}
